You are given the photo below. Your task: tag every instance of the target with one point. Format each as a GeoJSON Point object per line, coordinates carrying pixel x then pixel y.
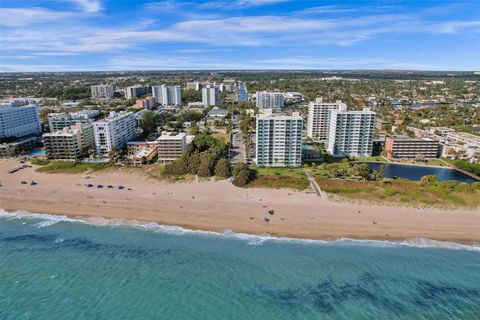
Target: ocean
{"type": "Point", "coordinates": [60, 268]}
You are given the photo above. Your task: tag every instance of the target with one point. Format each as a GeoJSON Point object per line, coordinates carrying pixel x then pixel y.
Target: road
{"type": "Point", "coordinates": [237, 151]}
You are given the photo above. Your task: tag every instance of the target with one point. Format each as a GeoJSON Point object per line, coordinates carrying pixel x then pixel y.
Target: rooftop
{"type": "Point", "coordinates": [407, 138]}
{"type": "Point", "coordinates": [114, 116]}
{"type": "Point", "coordinates": [171, 136]}
{"type": "Point", "coordinates": [279, 116]}
{"type": "Point", "coordinates": [217, 112]}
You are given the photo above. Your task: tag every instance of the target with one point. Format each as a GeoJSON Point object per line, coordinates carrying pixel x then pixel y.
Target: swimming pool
{"type": "Point", "coordinates": [38, 152]}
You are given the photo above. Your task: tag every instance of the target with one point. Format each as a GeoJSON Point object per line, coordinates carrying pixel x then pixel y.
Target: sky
{"type": "Point", "coordinates": [97, 35]}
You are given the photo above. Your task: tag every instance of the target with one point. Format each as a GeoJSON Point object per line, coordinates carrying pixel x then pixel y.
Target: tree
{"type": "Point", "coordinates": [361, 170]}
{"type": "Point", "coordinates": [194, 163]}
{"type": "Point", "coordinates": [179, 166]}
{"type": "Point", "coordinates": [429, 180]}
{"type": "Point", "coordinates": [242, 177]}
{"type": "Point", "coordinates": [191, 95]}
{"type": "Point", "coordinates": [193, 130]}
{"type": "Point", "coordinates": [222, 169]}
{"type": "Point", "coordinates": [115, 155]}
{"type": "Point", "coordinates": [149, 122]}
{"type": "Point", "coordinates": [89, 151]}
{"type": "Point", "coordinates": [242, 174]}
{"type": "Point", "coordinates": [205, 168]}
{"type": "Point", "coordinates": [378, 175]}
{"type": "Point", "coordinates": [238, 167]}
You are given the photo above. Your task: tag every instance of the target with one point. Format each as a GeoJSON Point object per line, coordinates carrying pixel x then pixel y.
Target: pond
{"type": "Point", "coordinates": [415, 172]}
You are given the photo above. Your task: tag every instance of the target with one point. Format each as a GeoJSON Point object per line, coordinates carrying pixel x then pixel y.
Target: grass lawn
{"type": "Point", "coordinates": [407, 192]}
{"type": "Point", "coordinates": [156, 171]}
{"type": "Point", "coordinates": [73, 167]}
{"type": "Point", "coordinates": [225, 137]}
{"type": "Point", "coordinates": [433, 162]}
{"type": "Point", "coordinates": [373, 159]}
{"type": "Point", "coordinates": [291, 178]}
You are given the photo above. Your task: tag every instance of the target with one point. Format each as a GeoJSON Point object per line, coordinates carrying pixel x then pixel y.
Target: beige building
{"type": "Point", "coordinates": [410, 148]}
{"type": "Point", "coordinates": [171, 146]}
{"type": "Point", "coordinates": [319, 117]}
{"type": "Point", "coordinates": [141, 152]}
{"type": "Point", "coordinates": [69, 143]}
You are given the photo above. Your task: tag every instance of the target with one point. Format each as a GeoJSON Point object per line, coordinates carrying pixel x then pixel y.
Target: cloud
{"type": "Point", "coordinates": [38, 67]}
{"type": "Point", "coordinates": [455, 26]}
{"type": "Point", "coordinates": [255, 24]}
{"type": "Point", "coordinates": [307, 62]}
{"type": "Point", "coordinates": [246, 31]}
{"type": "Point", "coordinates": [89, 6]}
{"type": "Point", "coordinates": [14, 17]}
{"type": "Point", "coordinates": [259, 2]}
{"type": "Point", "coordinates": [325, 9]}
{"type": "Point", "coordinates": [240, 3]}
{"type": "Point", "coordinates": [166, 6]}
{"type": "Point", "coordinates": [249, 36]}
{"type": "Point", "coordinates": [187, 62]}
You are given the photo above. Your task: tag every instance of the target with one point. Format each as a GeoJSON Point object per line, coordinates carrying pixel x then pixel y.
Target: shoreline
{"type": "Point", "coordinates": [252, 239]}
{"type": "Point", "coordinates": [219, 206]}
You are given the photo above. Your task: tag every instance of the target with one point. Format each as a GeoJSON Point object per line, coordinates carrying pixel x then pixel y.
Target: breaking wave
{"type": "Point", "coordinates": [254, 240]}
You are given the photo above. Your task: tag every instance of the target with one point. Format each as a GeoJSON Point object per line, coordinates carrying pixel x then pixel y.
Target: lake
{"type": "Point", "coordinates": [415, 173]}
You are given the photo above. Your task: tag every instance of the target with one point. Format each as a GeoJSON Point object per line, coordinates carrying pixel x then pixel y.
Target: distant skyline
{"type": "Point", "coordinates": [105, 35]}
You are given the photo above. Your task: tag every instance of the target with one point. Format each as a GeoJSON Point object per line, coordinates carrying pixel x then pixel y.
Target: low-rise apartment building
{"type": "Point", "coordinates": [141, 152]}
{"type": "Point", "coordinates": [404, 147]}
{"type": "Point", "coordinates": [147, 103]}
{"type": "Point", "coordinates": [17, 147]}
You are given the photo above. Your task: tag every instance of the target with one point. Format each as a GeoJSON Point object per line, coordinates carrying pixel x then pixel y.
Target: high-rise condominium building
{"type": "Point", "coordinates": [69, 143]}
{"type": "Point", "coordinates": [242, 94]}
{"type": "Point", "coordinates": [168, 95]}
{"type": "Point", "coordinates": [195, 85]}
{"type": "Point", "coordinates": [114, 131]}
{"type": "Point", "coordinates": [270, 100]}
{"type": "Point", "coordinates": [318, 117]}
{"type": "Point", "coordinates": [351, 133]}
{"type": "Point", "coordinates": [279, 140]}
{"type": "Point", "coordinates": [102, 91]}
{"type": "Point", "coordinates": [58, 121]}
{"type": "Point", "coordinates": [135, 91]}
{"type": "Point", "coordinates": [19, 121]}
{"type": "Point", "coordinates": [210, 96]}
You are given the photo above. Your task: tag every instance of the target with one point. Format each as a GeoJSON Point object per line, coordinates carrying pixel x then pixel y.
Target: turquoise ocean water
{"type": "Point", "coordinates": [56, 268]}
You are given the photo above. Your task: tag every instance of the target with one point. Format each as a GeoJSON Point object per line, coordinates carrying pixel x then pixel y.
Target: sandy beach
{"type": "Point", "coordinates": [220, 206]}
